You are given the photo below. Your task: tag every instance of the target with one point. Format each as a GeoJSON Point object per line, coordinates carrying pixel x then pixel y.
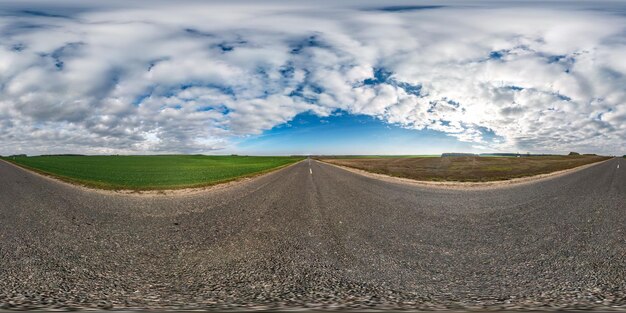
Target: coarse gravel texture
{"type": "Point", "coordinates": [316, 236]}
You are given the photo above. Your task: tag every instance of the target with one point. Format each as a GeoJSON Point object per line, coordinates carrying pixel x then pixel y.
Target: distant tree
{"type": "Point", "coordinates": [574, 153]}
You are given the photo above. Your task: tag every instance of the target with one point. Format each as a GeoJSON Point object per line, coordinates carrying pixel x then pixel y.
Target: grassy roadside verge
{"type": "Point", "coordinates": [159, 172]}
{"type": "Point", "coordinates": [466, 169]}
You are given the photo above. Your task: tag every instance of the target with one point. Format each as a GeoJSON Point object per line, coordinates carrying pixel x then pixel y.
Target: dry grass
{"type": "Point", "coordinates": [469, 169]}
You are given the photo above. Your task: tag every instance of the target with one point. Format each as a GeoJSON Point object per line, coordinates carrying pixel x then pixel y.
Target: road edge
{"type": "Point", "coordinates": [466, 185]}
{"type": "Point", "coordinates": [152, 192]}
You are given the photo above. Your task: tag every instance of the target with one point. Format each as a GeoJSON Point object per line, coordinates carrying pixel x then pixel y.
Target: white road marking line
{"type": "Point", "coordinates": [617, 165]}
{"type": "Point", "coordinates": [310, 171]}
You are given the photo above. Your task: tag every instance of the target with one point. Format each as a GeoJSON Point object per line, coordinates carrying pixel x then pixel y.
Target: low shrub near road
{"type": "Point", "coordinates": [150, 172]}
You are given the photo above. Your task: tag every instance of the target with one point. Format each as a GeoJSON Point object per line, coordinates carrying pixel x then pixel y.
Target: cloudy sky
{"type": "Point", "coordinates": [283, 77]}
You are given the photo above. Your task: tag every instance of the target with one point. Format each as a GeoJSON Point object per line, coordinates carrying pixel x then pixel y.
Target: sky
{"type": "Point", "coordinates": [312, 77]}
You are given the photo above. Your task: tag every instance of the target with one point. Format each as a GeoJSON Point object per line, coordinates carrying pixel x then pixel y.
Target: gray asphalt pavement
{"type": "Point", "coordinates": [314, 235]}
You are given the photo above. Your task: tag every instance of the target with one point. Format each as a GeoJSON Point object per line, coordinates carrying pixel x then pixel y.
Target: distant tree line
{"type": "Point", "coordinates": [455, 154]}
{"type": "Point", "coordinates": [43, 155]}
{"type": "Point", "coordinates": [528, 154]}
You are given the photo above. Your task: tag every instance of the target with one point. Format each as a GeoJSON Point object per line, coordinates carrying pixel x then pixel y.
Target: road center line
{"type": "Point", "coordinates": [310, 171]}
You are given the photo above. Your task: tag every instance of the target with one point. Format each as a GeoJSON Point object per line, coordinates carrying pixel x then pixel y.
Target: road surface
{"type": "Point", "coordinates": [316, 235]}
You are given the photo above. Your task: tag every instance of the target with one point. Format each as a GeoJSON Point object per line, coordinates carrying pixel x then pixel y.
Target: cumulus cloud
{"type": "Point", "coordinates": [190, 76]}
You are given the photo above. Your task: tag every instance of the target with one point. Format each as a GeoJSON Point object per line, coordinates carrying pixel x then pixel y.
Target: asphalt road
{"type": "Point", "coordinates": [315, 235]}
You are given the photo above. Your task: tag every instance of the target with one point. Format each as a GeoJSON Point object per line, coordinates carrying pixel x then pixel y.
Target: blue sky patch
{"type": "Point", "coordinates": [496, 55]}
{"type": "Point", "coordinates": [343, 133]}
{"type": "Point", "coordinates": [514, 88]}
{"type": "Point", "coordinates": [36, 13]}
{"type": "Point", "coordinates": [311, 41]}
{"type": "Point", "coordinates": [141, 98]}
{"type": "Point", "coordinates": [382, 76]}
{"type": "Point", "coordinates": [405, 8]}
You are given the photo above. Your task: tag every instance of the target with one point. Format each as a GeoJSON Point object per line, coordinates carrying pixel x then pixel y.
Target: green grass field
{"type": "Point", "coordinates": [151, 172]}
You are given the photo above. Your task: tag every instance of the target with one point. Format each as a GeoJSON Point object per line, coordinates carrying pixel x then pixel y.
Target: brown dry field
{"type": "Point", "coordinates": [466, 169]}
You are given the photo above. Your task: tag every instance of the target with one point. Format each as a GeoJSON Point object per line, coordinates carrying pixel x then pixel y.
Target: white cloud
{"type": "Point", "coordinates": [158, 76]}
